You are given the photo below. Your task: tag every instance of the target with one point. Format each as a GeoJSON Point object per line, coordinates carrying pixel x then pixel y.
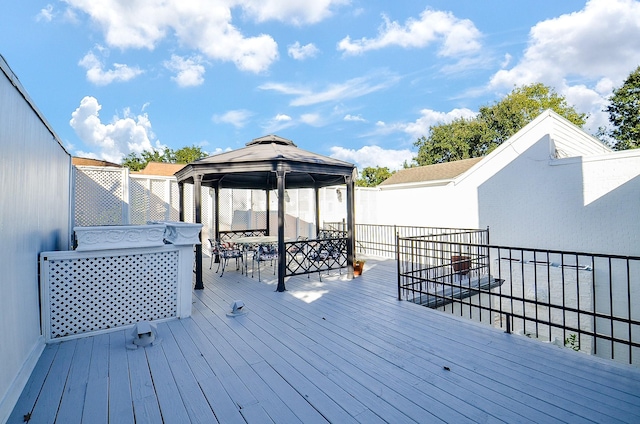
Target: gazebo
{"type": "Point", "coordinates": [269, 163]}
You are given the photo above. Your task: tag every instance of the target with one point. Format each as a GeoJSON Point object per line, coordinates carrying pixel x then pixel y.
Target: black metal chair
{"type": "Point", "coordinates": [264, 253]}
{"type": "Point", "coordinates": [226, 252]}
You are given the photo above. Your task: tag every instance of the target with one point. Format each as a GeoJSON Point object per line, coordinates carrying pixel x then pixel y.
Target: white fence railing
{"type": "Point", "coordinates": [113, 196]}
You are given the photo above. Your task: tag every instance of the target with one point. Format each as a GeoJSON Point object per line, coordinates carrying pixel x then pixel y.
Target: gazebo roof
{"type": "Point", "coordinates": [255, 166]}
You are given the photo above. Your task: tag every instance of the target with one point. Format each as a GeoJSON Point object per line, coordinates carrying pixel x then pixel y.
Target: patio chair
{"type": "Point", "coordinates": [294, 249]}
{"type": "Point", "coordinates": [322, 253]}
{"type": "Point", "coordinates": [262, 254]}
{"type": "Point", "coordinates": [213, 252]}
{"type": "Point", "coordinates": [225, 252]}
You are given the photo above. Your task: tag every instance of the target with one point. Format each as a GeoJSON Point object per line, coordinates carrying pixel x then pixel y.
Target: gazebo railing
{"type": "Point", "coordinates": [325, 253]}
{"type": "Point", "coordinates": [229, 236]}
{"type": "Point", "coordinates": [318, 255]}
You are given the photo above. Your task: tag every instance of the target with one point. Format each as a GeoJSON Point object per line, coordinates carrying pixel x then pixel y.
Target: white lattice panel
{"type": "Point", "coordinates": [174, 214]}
{"type": "Point", "coordinates": [158, 200]}
{"type": "Point", "coordinates": [98, 293]}
{"type": "Point", "coordinates": [138, 200]}
{"type": "Point", "coordinates": [100, 196]}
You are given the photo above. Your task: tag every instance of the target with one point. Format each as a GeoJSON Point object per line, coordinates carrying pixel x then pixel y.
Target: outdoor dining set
{"type": "Point", "coordinates": [262, 249]}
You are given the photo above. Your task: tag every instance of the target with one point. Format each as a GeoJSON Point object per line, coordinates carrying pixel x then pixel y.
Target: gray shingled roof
{"type": "Point", "coordinates": [440, 171]}
{"type": "Point", "coordinates": [254, 166]}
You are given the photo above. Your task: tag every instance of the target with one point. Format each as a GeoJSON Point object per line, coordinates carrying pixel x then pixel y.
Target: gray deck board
{"type": "Point", "coordinates": [25, 404]}
{"type": "Point", "coordinates": [172, 408]}
{"type": "Point", "coordinates": [72, 402]}
{"type": "Point", "coordinates": [120, 401]}
{"type": "Point", "coordinates": [46, 408]}
{"type": "Point", "coordinates": [332, 351]}
{"type": "Point", "coordinates": [96, 402]}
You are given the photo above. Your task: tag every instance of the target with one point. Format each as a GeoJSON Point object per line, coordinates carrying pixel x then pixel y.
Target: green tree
{"type": "Point", "coordinates": [137, 162]}
{"type": "Point", "coordinates": [188, 154]}
{"type": "Point", "coordinates": [624, 113]}
{"type": "Point", "coordinates": [133, 162]}
{"type": "Point", "coordinates": [372, 176]}
{"type": "Point", "coordinates": [154, 156]}
{"type": "Point", "coordinates": [468, 138]}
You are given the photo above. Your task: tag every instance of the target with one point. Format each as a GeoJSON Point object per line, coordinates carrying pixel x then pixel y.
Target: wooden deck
{"type": "Point", "coordinates": [332, 351]}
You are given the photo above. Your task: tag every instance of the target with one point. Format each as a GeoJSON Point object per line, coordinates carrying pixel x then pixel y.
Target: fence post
{"type": "Point", "coordinates": [398, 264]}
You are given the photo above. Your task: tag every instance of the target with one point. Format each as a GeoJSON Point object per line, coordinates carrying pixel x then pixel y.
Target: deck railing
{"type": "Point", "coordinates": [585, 301]}
{"type": "Point", "coordinates": [328, 251]}
{"type": "Point", "coordinates": [380, 240]}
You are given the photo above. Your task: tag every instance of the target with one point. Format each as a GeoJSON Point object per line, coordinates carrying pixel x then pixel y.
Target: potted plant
{"type": "Point", "coordinates": [461, 264]}
{"type": "Point", "coordinates": [358, 266]}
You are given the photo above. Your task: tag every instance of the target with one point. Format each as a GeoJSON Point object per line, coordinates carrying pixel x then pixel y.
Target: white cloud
{"type": "Point", "coordinates": [97, 75]}
{"type": "Point", "coordinates": [313, 119]}
{"type": "Point", "coordinates": [354, 118]}
{"type": "Point", "coordinates": [457, 36]}
{"type": "Point", "coordinates": [116, 139]}
{"type": "Point", "coordinates": [373, 156]}
{"type": "Point", "coordinates": [205, 26]}
{"type": "Point", "coordinates": [299, 52]}
{"type": "Point", "coordinates": [600, 40]}
{"type": "Point", "coordinates": [577, 52]}
{"type": "Point", "coordinates": [46, 14]}
{"type": "Point", "coordinates": [238, 118]}
{"type": "Point", "coordinates": [189, 72]}
{"type": "Point", "coordinates": [278, 123]}
{"type": "Point", "coordinates": [353, 88]}
{"type": "Point", "coordinates": [420, 127]}
{"type": "Point", "coordinates": [291, 11]}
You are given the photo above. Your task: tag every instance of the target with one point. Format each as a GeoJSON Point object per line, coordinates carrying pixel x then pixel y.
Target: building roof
{"type": "Point", "coordinates": [92, 162]}
{"type": "Point", "coordinates": [437, 172]}
{"type": "Point", "coordinates": [161, 169]}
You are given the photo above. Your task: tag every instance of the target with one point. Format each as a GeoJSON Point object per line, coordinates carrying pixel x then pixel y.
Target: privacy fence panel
{"type": "Point", "coordinates": [112, 196]}
{"type": "Point", "coordinates": [101, 196]}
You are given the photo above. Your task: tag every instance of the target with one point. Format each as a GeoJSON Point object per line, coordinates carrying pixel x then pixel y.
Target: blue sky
{"type": "Point", "coordinates": [357, 80]}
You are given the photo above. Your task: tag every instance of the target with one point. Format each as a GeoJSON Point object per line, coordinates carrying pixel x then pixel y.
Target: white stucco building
{"type": "Point", "coordinates": [549, 186]}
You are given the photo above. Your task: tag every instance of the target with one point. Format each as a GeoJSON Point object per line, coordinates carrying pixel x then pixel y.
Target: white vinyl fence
{"type": "Point", "coordinates": [113, 196]}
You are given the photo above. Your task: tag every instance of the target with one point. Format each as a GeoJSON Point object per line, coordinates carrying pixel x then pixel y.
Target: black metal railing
{"type": "Point", "coordinates": [585, 301]}
{"type": "Point", "coordinates": [327, 252]}
{"type": "Point", "coordinates": [229, 236]}
{"type": "Point", "coordinates": [380, 240]}
{"type": "Point", "coordinates": [304, 256]}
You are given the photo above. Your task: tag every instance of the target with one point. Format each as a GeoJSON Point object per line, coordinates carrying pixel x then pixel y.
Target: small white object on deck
{"type": "Point", "coordinates": [144, 334]}
{"type": "Point", "coordinates": [237, 309]}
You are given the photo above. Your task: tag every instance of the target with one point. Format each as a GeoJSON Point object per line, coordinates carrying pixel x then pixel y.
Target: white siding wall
{"type": "Point", "coordinates": [34, 217]}
{"type": "Point", "coordinates": [434, 206]}
{"type": "Point", "coordinates": [582, 204]}
{"type": "Point", "coordinates": [530, 199]}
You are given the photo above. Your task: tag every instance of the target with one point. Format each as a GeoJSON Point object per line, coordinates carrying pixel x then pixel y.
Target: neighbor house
{"type": "Point", "coordinates": [551, 185]}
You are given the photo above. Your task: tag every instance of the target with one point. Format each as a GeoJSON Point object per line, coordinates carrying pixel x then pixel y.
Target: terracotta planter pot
{"type": "Point", "coordinates": [461, 264]}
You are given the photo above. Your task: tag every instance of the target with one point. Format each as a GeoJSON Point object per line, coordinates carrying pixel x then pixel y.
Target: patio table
{"type": "Point", "coordinates": [252, 241]}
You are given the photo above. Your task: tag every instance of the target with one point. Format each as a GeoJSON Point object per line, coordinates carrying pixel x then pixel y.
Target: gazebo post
{"type": "Point", "coordinates": [268, 226]}
{"type": "Point", "coordinates": [280, 174]}
{"type": "Point", "coordinates": [351, 227]}
{"type": "Point", "coordinates": [316, 192]}
{"type": "Point", "coordinates": [197, 206]}
{"type": "Point", "coordinates": [181, 201]}
{"type": "Point", "coordinates": [216, 212]}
